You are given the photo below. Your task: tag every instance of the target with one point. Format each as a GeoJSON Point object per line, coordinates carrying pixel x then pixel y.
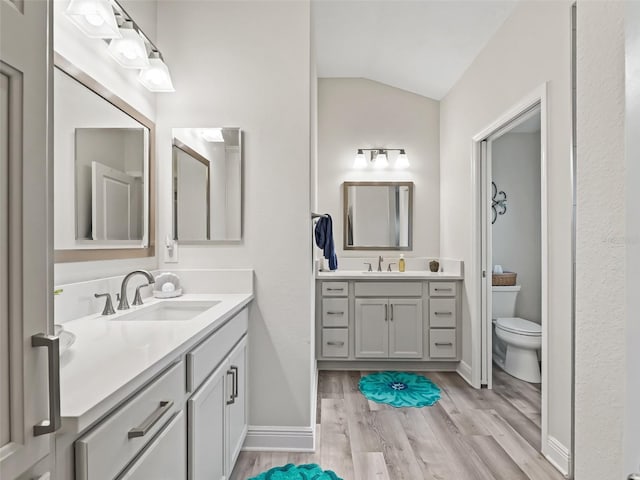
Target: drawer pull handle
{"type": "Point", "coordinates": [392, 312]}
{"type": "Point", "coordinates": [386, 313]}
{"type": "Point", "coordinates": [335, 289]}
{"type": "Point", "coordinates": [444, 344]}
{"type": "Point", "coordinates": [235, 381]}
{"type": "Point", "coordinates": [443, 289]}
{"type": "Point", "coordinates": [148, 424]}
{"type": "Point", "coordinates": [443, 313]}
{"type": "Point", "coordinates": [232, 399]}
{"type": "Point", "coordinates": [335, 344]}
{"type": "Point", "coordinates": [52, 344]}
{"type": "Point", "coordinates": [335, 313]}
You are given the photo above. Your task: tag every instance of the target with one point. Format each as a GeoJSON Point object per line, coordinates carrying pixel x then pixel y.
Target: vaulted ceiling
{"type": "Point", "coordinates": [422, 46]}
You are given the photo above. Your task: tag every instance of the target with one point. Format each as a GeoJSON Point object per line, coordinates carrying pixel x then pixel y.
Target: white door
{"type": "Point", "coordinates": [236, 404]}
{"type": "Point", "coordinates": [166, 457]}
{"type": "Point", "coordinates": [206, 427]}
{"type": "Point", "coordinates": [26, 239]}
{"type": "Point", "coordinates": [112, 203]}
{"type": "Point", "coordinates": [405, 328]}
{"type": "Point", "coordinates": [372, 330]}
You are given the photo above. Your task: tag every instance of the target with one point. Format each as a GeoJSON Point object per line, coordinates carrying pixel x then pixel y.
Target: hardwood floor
{"type": "Point", "coordinates": [468, 434]}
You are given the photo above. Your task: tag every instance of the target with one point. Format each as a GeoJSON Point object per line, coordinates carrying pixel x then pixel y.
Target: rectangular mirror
{"type": "Point", "coordinates": [207, 184]}
{"type": "Point", "coordinates": [103, 171]}
{"type": "Point", "coordinates": [378, 215]}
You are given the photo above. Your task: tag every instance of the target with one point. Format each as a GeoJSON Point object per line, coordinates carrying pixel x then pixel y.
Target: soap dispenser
{"type": "Point", "coordinates": [401, 263]}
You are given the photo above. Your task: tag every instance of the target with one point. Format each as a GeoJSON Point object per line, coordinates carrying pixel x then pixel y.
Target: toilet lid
{"type": "Point", "coordinates": [519, 325]}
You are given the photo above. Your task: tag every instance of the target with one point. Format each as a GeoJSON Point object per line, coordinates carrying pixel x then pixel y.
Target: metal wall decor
{"type": "Point", "coordinates": [498, 202]}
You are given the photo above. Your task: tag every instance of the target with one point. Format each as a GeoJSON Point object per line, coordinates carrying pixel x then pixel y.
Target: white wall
{"type": "Point", "coordinates": [358, 113]}
{"type": "Point", "coordinates": [601, 246]}
{"type": "Point", "coordinates": [516, 234]}
{"type": "Point", "coordinates": [531, 47]}
{"type": "Point", "coordinates": [247, 64]}
{"type": "Point", "coordinates": [90, 56]}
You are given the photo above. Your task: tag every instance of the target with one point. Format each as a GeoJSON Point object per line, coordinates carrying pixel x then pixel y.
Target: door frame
{"type": "Point", "coordinates": [481, 254]}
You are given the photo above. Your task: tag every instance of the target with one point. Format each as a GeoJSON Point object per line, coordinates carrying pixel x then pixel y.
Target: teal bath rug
{"type": "Point", "coordinates": [400, 389]}
{"type": "Point", "coordinates": [297, 472]}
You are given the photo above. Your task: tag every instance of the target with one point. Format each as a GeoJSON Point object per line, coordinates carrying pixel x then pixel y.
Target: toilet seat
{"type": "Point", "coordinates": [519, 326]}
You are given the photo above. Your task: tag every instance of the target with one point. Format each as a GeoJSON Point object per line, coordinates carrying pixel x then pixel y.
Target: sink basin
{"type": "Point", "coordinates": [168, 311]}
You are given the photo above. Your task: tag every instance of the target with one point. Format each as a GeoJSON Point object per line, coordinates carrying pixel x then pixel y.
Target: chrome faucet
{"type": "Point", "coordinates": [380, 259]}
{"type": "Point", "coordinates": [123, 303]}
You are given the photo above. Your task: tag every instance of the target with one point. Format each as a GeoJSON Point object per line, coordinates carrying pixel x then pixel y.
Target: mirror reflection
{"type": "Point", "coordinates": [378, 215]}
{"type": "Point", "coordinates": [207, 184]}
{"type": "Point", "coordinates": [101, 174]}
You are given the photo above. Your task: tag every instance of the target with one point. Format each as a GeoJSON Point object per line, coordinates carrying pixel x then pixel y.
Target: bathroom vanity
{"type": "Point", "coordinates": [157, 391]}
{"type": "Point", "coordinates": [382, 319]}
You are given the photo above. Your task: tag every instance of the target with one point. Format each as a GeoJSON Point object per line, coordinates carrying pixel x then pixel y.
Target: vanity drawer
{"type": "Point", "coordinates": [335, 289]}
{"type": "Point", "coordinates": [388, 289]}
{"type": "Point", "coordinates": [335, 342]}
{"type": "Point", "coordinates": [335, 312]}
{"type": "Point", "coordinates": [107, 449]}
{"type": "Point", "coordinates": [204, 358]}
{"type": "Point", "coordinates": [442, 343]}
{"type": "Point", "coordinates": [442, 289]}
{"type": "Point", "coordinates": [442, 312]}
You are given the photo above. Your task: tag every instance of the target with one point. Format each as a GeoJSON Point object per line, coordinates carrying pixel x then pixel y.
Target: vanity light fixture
{"type": "Point", "coordinates": [156, 76]}
{"type": "Point", "coordinates": [130, 50]}
{"type": "Point", "coordinates": [95, 18]}
{"type": "Point", "coordinates": [379, 158]}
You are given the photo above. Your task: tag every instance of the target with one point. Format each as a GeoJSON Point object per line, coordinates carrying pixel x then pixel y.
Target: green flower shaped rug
{"type": "Point", "coordinates": [297, 472]}
{"type": "Point", "coordinates": [400, 389]}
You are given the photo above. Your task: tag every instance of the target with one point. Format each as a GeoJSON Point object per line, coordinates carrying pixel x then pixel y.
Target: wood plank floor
{"type": "Point", "coordinates": [468, 434]}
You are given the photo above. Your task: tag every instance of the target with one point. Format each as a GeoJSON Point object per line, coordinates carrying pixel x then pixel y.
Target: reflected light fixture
{"type": "Point", "coordinates": [155, 77]}
{"type": "Point", "coordinates": [211, 134]}
{"type": "Point", "coordinates": [360, 161]}
{"type": "Point", "coordinates": [402, 161]}
{"type": "Point", "coordinates": [379, 158]}
{"type": "Point", "coordinates": [95, 18]}
{"type": "Point", "coordinates": [130, 50]}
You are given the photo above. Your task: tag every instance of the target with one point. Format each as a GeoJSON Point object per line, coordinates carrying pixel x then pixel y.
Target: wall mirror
{"type": "Point", "coordinates": [378, 215]}
{"type": "Point", "coordinates": [207, 184]}
{"type": "Point", "coordinates": [103, 172]}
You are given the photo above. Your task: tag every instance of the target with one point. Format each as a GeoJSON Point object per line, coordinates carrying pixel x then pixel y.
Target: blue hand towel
{"type": "Point", "coordinates": [324, 240]}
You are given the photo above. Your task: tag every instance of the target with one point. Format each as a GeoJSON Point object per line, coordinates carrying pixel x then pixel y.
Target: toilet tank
{"type": "Point", "coordinates": [503, 301]}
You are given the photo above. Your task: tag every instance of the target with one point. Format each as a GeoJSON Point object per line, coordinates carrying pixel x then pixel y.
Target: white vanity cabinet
{"type": "Point", "coordinates": [188, 422]}
{"type": "Point", "coordinates": [376, 321]}
{"type": "Point", "coordinates": [217, 417]}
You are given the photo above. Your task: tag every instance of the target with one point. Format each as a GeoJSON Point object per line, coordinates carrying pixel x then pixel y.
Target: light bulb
{"type": "Point", "coordinates": [130, 50]}
{"type": "Point", "coordinates": [156, 77]}
{"type": "Point", "coordinates": [94, 17]}
{"type": "Point", "coordinates": [381, 160]}
{"type": "Point", "coordinates": [360, 160]}
{"type": "Point", "coordinates": [402, 161]}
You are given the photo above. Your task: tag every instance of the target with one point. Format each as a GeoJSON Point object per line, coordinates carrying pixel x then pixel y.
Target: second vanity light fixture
{"type": "Point", "coordinates": [378, 158]}
{"type": "Point", "coordinates": [127, 43]}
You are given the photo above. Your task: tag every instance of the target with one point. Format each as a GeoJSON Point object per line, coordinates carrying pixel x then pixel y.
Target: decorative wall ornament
{"type": "Point", "coordinates": [498, 202]}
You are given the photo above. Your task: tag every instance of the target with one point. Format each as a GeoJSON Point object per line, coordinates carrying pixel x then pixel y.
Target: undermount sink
{"type": "Point", "coordinates": [168, 311]}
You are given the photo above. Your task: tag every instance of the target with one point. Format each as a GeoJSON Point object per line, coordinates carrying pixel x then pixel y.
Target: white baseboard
{"type": "Point", "coordinates": [464, 370]}
{"type": "Point", "coordinates": [280, 439]}
{"type": "Point", "coordinates": [557, 454]}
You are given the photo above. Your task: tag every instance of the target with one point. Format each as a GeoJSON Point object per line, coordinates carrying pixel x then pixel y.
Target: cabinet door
{"type": "Point", "coordinates": [405, 328]}
{"type": "Point", "coordinates": [372, 331]}
{"type": "Point", "coordinates": [236, 404]}
{"type": "Point", "coordinates": [165, 458]}
{"type": "Point", "coordinates": [206, 419]}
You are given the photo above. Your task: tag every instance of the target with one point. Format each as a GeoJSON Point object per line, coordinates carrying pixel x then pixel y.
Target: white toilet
{"type": "Point", "coordinates": [516, 341]}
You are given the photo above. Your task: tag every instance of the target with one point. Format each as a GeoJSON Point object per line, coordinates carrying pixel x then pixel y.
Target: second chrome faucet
{"type": "Point", "coordinates": [123, 303]}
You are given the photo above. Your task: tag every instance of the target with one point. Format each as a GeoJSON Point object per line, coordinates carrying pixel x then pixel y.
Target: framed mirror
{"type": "Point", "coordinates": [378, 215]}
{"type": "Point", "coordinates": [103, 172]}
{"type": "Point", "coordinates": [207, 184]}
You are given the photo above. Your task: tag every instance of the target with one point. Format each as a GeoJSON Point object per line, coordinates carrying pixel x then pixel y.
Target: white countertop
{"type": "Point", "coordinates": [111, 359]}
{"type": "Point", "coordinates": [392, 276]}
